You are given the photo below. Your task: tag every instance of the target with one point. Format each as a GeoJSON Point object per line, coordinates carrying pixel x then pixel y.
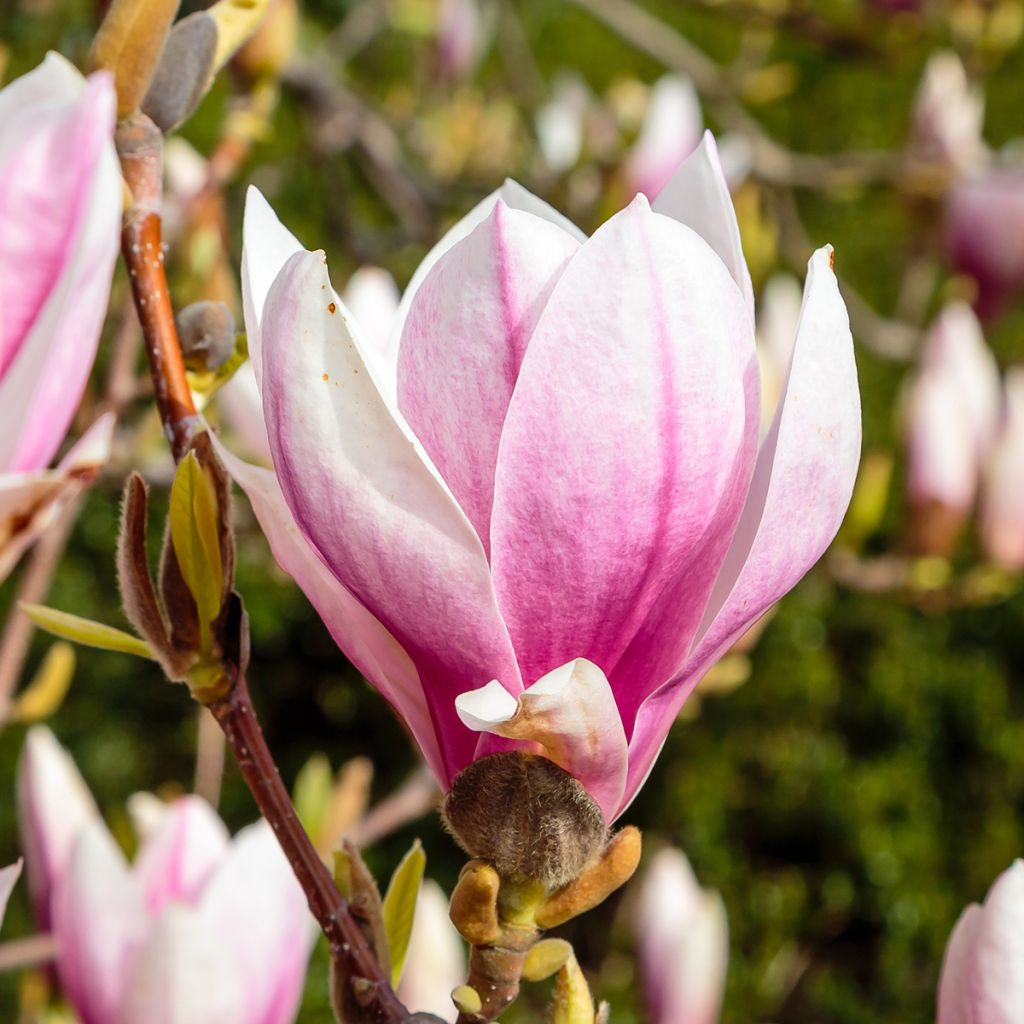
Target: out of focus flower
{"type": "Point", "coordinates": [463, 33]}
{"type": "Point", "coordinates": [8, 879]}
{"type": "Point", "coordinates": [671, 131]}
{"type": "Point", "coordinates": [201, 929]}
{"type": "Point", "coordinates": [683, 939]}
{"type": "Point", "coordinates": [985, 233]}
{"type": "Point", "coordinates": [952, 412]}
{"type": "Point", "coordinates": [949, 114]}
{"type": "Point", "coordinates": [436, 961]}
{"type": "Point", "coordinates": [983, 970]}
{"type": "Point", "coordinates": [561, 123]}
{"type": "Point", "coordinates": [552, 478]}
{"type": "Point", "coordinates": [777, 323]}
{"type": "Point", "coordinates": [1002, 509]}
{"type": "Point", "coordinates": [60, 206]}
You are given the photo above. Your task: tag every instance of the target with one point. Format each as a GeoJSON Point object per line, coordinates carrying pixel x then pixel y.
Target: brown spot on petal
{"type": "Point", "coordinates": [832, 259]}
{"type": "Point", "coordinates": [326, 377]}
{"type": "Point", "coordinates": [332, 308]}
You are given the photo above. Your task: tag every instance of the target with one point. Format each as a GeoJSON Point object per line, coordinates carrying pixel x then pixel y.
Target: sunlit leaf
{"type": "Point", "coordinates": [400, 906]}
{"type": "Point", "coordinates": [85, 631]}
{"type": "Point", "coordinates": [49, 686]}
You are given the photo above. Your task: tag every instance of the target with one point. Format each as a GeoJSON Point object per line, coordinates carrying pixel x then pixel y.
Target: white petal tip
{"type": "Point", "coordinates": [481, 710]}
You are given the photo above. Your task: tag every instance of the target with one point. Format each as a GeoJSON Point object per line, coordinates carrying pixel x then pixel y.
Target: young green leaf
{"type": "Point", "coordinates": [85, 631]}
{"type": "Point", "coordinates": [49, 686]}
{"type": "Point", "coordinates": [193, 521]}
{"type": "Point", "coordinates": [573, 1002]}
{"type": "Point", "coordinates": [400, 906]}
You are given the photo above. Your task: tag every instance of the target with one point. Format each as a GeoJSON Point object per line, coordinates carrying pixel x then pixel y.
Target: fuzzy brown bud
{"type": "Point", "coordinates": [207, 334]}
{"type": "Point", "coordinates": [526, 816]}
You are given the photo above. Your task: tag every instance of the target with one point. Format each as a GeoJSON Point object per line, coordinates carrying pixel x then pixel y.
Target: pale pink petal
{"type": "Point", "coordinates": [375, 509]}
{"type": "Point", "coordinates": [147, 811]}
{"type": "Point", "coordinates": [697, 195]}
{"type": "Point", "coordinates": [957, 964]}
{"type": "Point", "coordinates": [512, 194]}
{"type": "Point", "coordinates": [778, 318]}
{"type": "Point", "coordinates": [60, 201]}
{"type": "Point", "coordinates": [672, 130]}
{"type": "Point", "coordinates": [995, 982]}
{"type": "Point", "coordinates": [464, 340]}
{"type": "Point", "coordinates": [99, 924]}
{"type": "Point", "coordinates": [805, 474]}
{"type": "Point", "coordinates": [54, 805]}
{"type": "Point", "coordinates": [30, 501]}
{"type": "Point", "coordinates": [571, 714]}
{"type": "Point", "coordinates": [257, 912]}
{"type": "Point", "coordinates": [372, 297]}
{"type": "Point", "coordinates": [436, 962]}
{"type": "Point", "coordinates": [183, 976]}
{"type": "Point", "coordinates": [8, 878]}
{"type": "Point", "coordinates": [178, 857]}
{"type": "Point", "coordinates": [949, 114]}
{"type": "Point", "coordinates": [368, 645]}
{"type": "Point", "coordinates": [625, 456]}
{"type": "Point", "coordinates": [1002, 510]}
{"type": "Point", "coordinates": [240, 401]}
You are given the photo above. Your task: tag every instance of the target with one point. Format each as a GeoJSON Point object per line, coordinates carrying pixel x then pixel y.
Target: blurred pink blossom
{"type": "Point", "coordinates": [683, 939]}
{"type": "Point", "coordinates": [983, 970]}
{"type": "Point", "coordinates": [463, 34]}
{"type": "Point", "coordinates": [777, 323]}
{"type": "Point", "coordinates": [1002, 507]}
{"type": "Point", "coordinates": [551, 478]}
{"type": "Point", "coordinates": [948, 115]}
{"type": "Point", "coordinates": [671, 131]}
{"type": "Point", "coordinates": [436, 961]}
{"type": "Point", "coordinates": [201, 929]}
{"type": "Point", "coordinates": [60, 205]}
{"type": "Point", "coordinates": [8, 879]}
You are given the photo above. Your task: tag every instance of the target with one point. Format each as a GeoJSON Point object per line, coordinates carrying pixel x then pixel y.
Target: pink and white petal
{"type": "Point", "coordinates": [256, 912]}
{"type": "Point", "coordinates": [995, 984]}
{"type": "Point", "coordinates": [625, 455]}
{"type": "Point", "coordinates": [373, 506]}
{"type": "Point", "coordinates": [571, 714]}
{"type": "Point", "coordinates": [99, 923]}
{"type": "Point", "coordinates": [29, 502]}
{"type": "Point", "coordinates": [372, 297]}
{"type": "Point", "coordinates": [465, 337]}
{"type": "Point", "coordinates": [181, 976]}
{"type": "Point", "coordinates": [54, 81]}
{"type": "Point", "coordinates": [513, 195]}
{"type": "Point", "coordinates": [178, 857]}
{"type": "Point", "coordinates": [697, 195]}
{"type": "Point", "coordinates": [43, 382]}
{"type": "Point", "coordinates": [8, 879]}
{"type": "Point", "coordinates": [54, 806]}
{"type": "Point", "coordinates": [368, 645]}
{"type": "Point", "coordinates": [957, 966]}
{"type": "Point", "coordinates": [146, 811]}
{"type": "Point", "coordinates": [804, 475]}
{"type": "Point", "coordinates": [267, 246]}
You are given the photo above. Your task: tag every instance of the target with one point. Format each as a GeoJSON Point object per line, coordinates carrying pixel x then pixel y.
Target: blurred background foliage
{"type": "Point", "coordinates": [868, 779]}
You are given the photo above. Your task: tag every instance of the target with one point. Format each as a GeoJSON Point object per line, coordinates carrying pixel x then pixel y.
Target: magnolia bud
{"type": "Point", "coordinates": [526, 816]}
{"type": "Point", "coordinates": [207, 333]}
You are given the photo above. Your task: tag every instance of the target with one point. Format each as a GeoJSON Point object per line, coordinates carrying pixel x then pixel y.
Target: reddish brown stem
{"type": "Point", "coordinates": [349, 948]}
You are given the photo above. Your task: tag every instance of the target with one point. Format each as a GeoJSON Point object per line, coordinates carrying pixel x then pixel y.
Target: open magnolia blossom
{"type": "Point", "coordinates": [683, 938]}
{"type": "Point", "coordinates": [983, 969]}
{"type": "Point", "coordinates": [540, 512]}
{"type": "Point", "coordinates": [201, 929]}
{"type": "Point", "coordinates": [60, 206]}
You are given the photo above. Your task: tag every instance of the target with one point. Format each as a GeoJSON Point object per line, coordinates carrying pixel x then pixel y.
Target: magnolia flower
{"type": "Point", "coordinates": [60, 206]}
{"type": "Point", "coordinates": [1002, 507]}
{"type": "Point", "coordinates": [952, 412]}
{"type": "Point", "coordinates": [436, 961]}
{"type": "Point", "coordinates": [982, 978]}
{"type": "Point", "coordinates": [201, 929]}
{"type": "Point", "coordinates": [8, 879]}
{"type": "Point", "coordinates": [949, 114]}
{"type": "Point", "coordinates": [671, 131]}
{"type": "Point", "coordinates": [542, 512]}
{"type": "Point", "coordinates": [683, 938]}
{"type": "Point", "coordinates": [561, 122]}
{"type": "Point", "coordinates": [777, 325]}
{"type": "Point", "coordinates": [985, 234]}
{"type": "Point", "coordinates": [462, 37]}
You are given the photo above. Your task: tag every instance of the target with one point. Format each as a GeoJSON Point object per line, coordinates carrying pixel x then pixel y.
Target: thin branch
{"type": "Point", "coordinates": [416, 797]}
{"type": "Point", "coordinates": [22, 954]}
{"type": "Point", "coordinates": [209, 773]}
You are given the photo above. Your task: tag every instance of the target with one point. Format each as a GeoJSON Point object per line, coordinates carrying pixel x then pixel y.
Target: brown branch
{"type": "Point", "coordinates": [350, 950]}
{"type": "Point", "coordinates": [21, 954]}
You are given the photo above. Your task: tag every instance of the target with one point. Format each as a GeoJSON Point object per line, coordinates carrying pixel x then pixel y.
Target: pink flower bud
{"type": "Point", "coordinates": [683, 939]}
{"type": "Point", "coordinates": [546, 511]}
{"type": "Point", "coordinates": [462, 36]}
{"type": "Point", "coordinates": [201, 929]}
{"type": "Point", "coordinates": [436, 961]}
{"type": "Point", "coordinates": [985, 234]}
{"type": "Point", "coordinates": [671, 131]}
{"type": "Point", "coordinates": [983, 970]}
{"type": "Point", "coordinates": [949, 114]}
{"type": "Point", "coordinates": [1002, 509]}
{"type": "Point", "coordinates": [60, 206]}
{"type": "Point", "coordinates": [560, 123]}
